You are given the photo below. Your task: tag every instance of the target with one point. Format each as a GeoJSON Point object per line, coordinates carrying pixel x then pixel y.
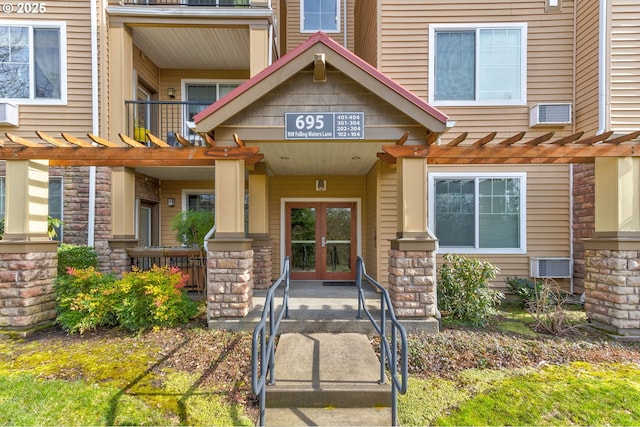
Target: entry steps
{"type": "Point", "coordinates": [327, 379]}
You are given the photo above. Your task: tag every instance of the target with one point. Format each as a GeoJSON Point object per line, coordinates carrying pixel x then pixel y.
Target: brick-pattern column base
{"type": "Point", "coordinates": [612, 288]}
{"type": "Point", "coordinates": [262, 266]}
{"type": "Point", "coordinates": [119, 259]}
{"type": "Point", "coordinates": [412, 279]}
{"type": "Point", "coordinates": [229, 283]}
{"type": "Point", "coordinates": [27, 294]}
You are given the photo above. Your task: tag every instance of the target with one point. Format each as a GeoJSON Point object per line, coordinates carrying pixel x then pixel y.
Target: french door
{"type": "Point", "coordinates": [321, 240]}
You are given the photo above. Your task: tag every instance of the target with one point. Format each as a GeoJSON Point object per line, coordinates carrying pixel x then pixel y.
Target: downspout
{"type": "Point", "coordinates": [602, 68]}
{"type": "Point", "coordinates": [91, 220]}
{"type": "Point", "coordinates": [344, 23]}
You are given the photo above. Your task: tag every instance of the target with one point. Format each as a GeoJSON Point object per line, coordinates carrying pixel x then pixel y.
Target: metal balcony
{"type": "Point", "coordinates": [208, 3]}
{"type": "Point", "coordinates": [164, 119]}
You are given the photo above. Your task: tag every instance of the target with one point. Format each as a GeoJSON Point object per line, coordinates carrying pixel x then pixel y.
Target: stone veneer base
{"type": "Point", "coordinates": [412, 281]}
{"type": "Point", "coordinates": [229, 283]}
{"type": "Point", "coordinates": [612, 290]}
{"type": "Point", "coordinates": [27, 294]}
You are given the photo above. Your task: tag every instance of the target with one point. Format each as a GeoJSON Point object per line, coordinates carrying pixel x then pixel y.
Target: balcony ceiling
{"type": "Point", "coordinates": [194, 48]}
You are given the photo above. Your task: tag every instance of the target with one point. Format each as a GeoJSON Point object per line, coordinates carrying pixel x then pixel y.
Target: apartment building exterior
{"type": "Point", "coordinates": [412, 74]}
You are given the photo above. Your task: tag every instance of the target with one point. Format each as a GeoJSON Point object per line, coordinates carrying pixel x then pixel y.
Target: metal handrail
{"type": "Point", "coordinates": [398, 385]}
{"type": "Point", "coordinates": [263, 349]}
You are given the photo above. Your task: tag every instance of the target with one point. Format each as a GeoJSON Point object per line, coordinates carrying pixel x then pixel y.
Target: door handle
{"type": "Point", "coordinates": [324, 241]}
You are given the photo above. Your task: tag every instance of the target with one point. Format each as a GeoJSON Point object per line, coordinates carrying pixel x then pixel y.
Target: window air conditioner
{"type": "Point", "coordinates": [557, 268]}
{"type": "Point", "coordinates": [8, 114]}
{"type": "Point", "coordinates": [550, 115]}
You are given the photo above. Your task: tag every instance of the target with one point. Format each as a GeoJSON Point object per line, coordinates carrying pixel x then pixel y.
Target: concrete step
{"type": "Point", "coordinates": [320, 370]}
{"type": "Point", "coordinates": [328, 417]}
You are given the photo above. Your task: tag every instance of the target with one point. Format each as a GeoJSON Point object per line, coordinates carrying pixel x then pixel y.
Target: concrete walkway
{"type": "Point", "coordinates": [327, 379]}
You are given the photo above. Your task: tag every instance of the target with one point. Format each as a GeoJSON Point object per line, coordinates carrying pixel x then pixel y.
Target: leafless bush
{"type": "Point", "coordinates": [549, 309]}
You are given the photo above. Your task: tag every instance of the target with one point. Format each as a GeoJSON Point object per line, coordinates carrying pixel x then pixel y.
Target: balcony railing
{"type": "Point", "coordinates": [209, 3]}
{"type": "Point", "coordinates": [164, 119]}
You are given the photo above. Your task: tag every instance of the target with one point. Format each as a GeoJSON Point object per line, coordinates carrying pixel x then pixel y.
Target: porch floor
{"type": "Point", "coordinates": [315, 306]}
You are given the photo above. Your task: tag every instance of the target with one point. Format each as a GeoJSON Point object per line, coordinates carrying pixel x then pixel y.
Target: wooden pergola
{"type": "Point", "coordinates": [72, 151]}
{"type": "Point", "coordinates": [574, 148]}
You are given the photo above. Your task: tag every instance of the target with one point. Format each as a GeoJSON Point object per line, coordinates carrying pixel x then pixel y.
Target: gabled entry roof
{"type": "Point", "coordinates": [338, 57]}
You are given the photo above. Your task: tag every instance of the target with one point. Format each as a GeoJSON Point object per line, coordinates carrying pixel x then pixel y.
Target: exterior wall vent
{"type": "Point", "coordinates": [550, 115]}
{"type": "Point", "coordinates": [558, 268]}
{"type": "Point", "coordinates": [8, 114]}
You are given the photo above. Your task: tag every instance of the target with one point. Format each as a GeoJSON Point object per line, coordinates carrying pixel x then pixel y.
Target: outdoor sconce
{"type": "Point", "coordinates": [171, 202]}
{"type": "Point", "coordinates": [171, 92]}
{"type": "Point", "coordinates": [321, 185]}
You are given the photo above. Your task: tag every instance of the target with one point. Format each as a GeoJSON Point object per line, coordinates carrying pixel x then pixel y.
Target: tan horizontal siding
{"type": "Point", "coordinates": [148, 72]}
{"type": "Point", "coordinates": [404, 54]}
{"type": "Point", "coordinates": [586, 108]}
{"type": "Point", "coordinates": [371, 255]}
{"type": "Point", "coordinates": [76, 116]}
{"type": "Point", "coordinates": [366, 31]}
{"type": "Point", "coordinates": [625, 65]}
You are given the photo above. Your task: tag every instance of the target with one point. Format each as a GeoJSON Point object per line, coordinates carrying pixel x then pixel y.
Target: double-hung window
{"type": "Point", "coordinates": [319, 15]}
{"type": "Point", "coordinates": [33, 62]}
{"type": "Point", "coordinates": [481, 64]}
{"type": "Point", "coordinates": [478, 213]}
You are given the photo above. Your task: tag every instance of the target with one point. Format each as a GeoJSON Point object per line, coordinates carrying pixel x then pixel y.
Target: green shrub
{"type": "Point", "coordinates": [83, 300]}
{"type": "Point", "coordinates": [153, 298]}
{"type": "Point", "coordinates": [464, 291]}
{"type": "Point", "coordinates": [76, 257]}
{"type": "Point", "coordinates": [524, 289]}
{"type": "Point", "coordinates": [87, 299]}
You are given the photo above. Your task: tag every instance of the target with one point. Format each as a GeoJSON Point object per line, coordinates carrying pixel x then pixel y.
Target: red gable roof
{"type": "Point", "coordinates": [321, 37]}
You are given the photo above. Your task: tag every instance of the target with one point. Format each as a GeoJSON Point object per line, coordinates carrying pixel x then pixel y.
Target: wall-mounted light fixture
{"type": "Point", "coordinates": [171, 92]}
{"type": "Point", "coordinates": [321, 185]}
{"type": "Point", "coordinates": [171, 202]}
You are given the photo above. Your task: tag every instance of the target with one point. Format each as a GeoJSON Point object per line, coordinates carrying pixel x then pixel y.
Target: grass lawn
{"type": "Point", "coordinates": [503, 374]}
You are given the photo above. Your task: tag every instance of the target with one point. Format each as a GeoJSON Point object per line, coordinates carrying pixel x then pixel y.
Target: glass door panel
{"type": "Point", "coordinates": [303, 239]}
{"type": "Point", "coordinates": [338, 239]}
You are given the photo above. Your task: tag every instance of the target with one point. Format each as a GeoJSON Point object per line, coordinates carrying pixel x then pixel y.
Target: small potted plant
{"type": "Point", "coordinates": [139, 131]}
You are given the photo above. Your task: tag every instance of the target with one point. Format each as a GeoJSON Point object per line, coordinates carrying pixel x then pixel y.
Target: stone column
{"type": "Point", "coordinates": [28, 258]}
{"type": "Point", "coordinates": [230, 257]}
{"type": "Point", "coordinates": [612, 255]}
{"type": "Point", "coordinates": [123, 214]}
{"type": "Point", "coordinates": [259, 226]}
{"type": "Point", "coordinates": [412, 259]}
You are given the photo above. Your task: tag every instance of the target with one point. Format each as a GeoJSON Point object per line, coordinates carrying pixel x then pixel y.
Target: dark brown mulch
{"type": "Point", "coordinates": [222, 359]}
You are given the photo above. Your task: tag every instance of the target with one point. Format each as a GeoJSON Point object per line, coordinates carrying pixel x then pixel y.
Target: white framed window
{"type": "Point", "coordinates": [199, 200]}
{"type": "Point", "coordinates": [33, 60]}
{"type": "Point", "coordinates": [56, 201]}
{"type": "Point", "coordinates": [199, 94]}
{"type": "Point", "coordinates": [319, 15]}
{"type": "Point", "coordinates": [478, 64]}
{"type": "Point", "coordinates": [483, 213]}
